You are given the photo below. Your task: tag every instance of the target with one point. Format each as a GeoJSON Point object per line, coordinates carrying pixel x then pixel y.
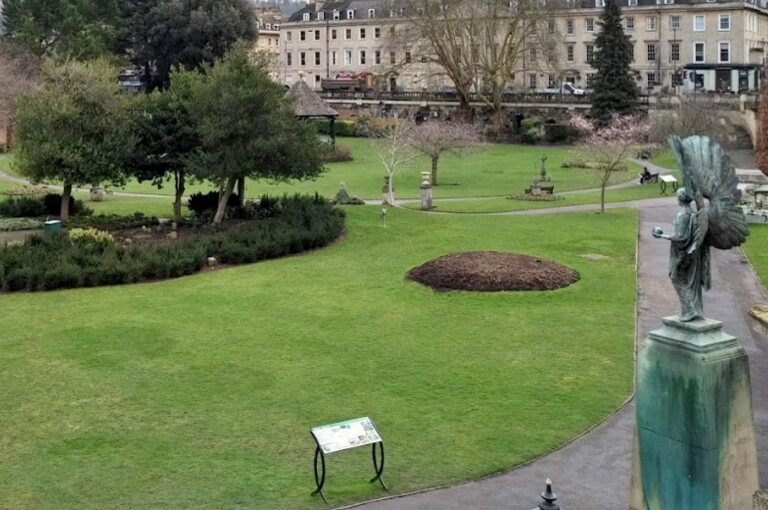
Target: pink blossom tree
{"type": "Point", "coordinates": [434, 139]}
{"type": "Point", "coordinates": [610, 145]}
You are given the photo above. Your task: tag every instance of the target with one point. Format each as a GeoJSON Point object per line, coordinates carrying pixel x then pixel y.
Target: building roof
{"type": "Point", "coordinates": [386, 7]}
{"type": "Point", "coordinates": [306, 102]}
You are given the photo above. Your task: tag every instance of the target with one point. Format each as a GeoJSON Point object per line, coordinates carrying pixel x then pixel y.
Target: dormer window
{"type": "Point", "coordinates": [268, 26]}
{"type": "Point", "coordinates": [305, 16]}
{"type": "Point", "coordinates": [258, 25]}
{"type": "Point", "coordinates": [320, 16]}
{"type": "Point", "coordinates": [277, 26]}
{"type": "Point", "coordinates": [371, 13]}
{"type": "Point", "coordinates": [336, 14]}
{"type": "Point", "coordinates": [350, 14]}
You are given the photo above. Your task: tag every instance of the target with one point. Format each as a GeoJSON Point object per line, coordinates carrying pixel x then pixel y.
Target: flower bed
{"type": "Point", "coordinates": [91, 257]}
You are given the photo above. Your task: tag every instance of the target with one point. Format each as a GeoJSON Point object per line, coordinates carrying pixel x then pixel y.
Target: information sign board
{"type": "Point", "coordinates": [343, 435]}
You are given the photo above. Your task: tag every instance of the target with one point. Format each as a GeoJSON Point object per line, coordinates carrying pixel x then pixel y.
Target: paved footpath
{"type": "Point", "coordinates": [593, 472]}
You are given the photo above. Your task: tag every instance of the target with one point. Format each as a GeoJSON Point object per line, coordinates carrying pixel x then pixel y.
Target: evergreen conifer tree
{"type": "Point", "coordinates": [614, 89]}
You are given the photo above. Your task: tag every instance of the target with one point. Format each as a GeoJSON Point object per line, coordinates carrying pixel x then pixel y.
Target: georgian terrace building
{"type": "Point", "coordinates": [691, 45]}
{"type": "Point", "coordinates": [268, 42]}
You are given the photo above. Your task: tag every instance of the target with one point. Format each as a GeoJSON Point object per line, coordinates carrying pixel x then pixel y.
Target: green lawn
{"type": "Point", "coordinates": [125, 206]}
{"type": "Point", "coordinates": [502, 204]}
{"type": "Point", "coordinates": [200, 392]}
{"type": "Point", "coordinates": [756, 249]}
{"type": "Point", "coordinates": [5, 185]}
{"type": "Point", "coordinates": [499, 170]}
{"type": "Point", "coordinates": [115, 204]}
{"type": "Point", "coordinates": [665, 160]}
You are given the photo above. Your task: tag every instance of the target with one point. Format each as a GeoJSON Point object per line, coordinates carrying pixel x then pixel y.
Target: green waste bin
{"type": "Point", "coordinates": [51, 226]}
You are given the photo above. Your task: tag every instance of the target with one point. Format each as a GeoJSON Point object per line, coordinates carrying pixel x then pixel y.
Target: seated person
{"type": "Point", "coordinates": [645, 176]}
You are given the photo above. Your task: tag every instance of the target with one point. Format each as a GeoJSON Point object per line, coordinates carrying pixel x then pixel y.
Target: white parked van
{"type": "Point", "coordinates": [565, 88]}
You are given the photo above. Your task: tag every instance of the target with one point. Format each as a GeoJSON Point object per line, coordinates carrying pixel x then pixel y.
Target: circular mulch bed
{"type": "Point", "coordinates": [492, 271]}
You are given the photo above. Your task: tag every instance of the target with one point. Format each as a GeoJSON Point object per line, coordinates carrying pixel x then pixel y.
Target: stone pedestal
{"type": "Point", "coordinates": [694, 431]}
{"type": "Point", "coordinates": [97, 193]}
{"type": "Point", "coordinates": [426, 196]}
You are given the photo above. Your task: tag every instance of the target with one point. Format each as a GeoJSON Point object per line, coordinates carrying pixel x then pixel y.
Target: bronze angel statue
{"type": "Point", "coordinates": [717, 221]}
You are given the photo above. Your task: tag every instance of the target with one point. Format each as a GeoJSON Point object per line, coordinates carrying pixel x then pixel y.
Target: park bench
{"type": "Point", "coordinates": [545, 190]}
{"type": "Point", "coordinates": [649, 178]}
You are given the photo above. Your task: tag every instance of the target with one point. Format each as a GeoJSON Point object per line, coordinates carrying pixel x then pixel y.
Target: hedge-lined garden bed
{"type": "Point", "coordinates": [90, 257]}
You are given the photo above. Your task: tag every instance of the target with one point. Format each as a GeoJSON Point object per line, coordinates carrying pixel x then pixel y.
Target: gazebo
{"type": "Point", "coordinates": [308, 104]}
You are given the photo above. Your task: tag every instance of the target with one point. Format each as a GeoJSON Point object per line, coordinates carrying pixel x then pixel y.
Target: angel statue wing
{"type": "Point", "coordinates": [708, 174]}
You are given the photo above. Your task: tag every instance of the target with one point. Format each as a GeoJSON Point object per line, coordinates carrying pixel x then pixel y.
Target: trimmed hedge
{"type": "Point", "coordinates": [47, 262]}
{"type": "Point", "coordinates": [113, 221]}
{"type": "Point", "coordinates": [343, 127]}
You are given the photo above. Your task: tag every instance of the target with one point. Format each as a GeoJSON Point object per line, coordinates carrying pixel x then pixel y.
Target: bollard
{"type": "Point", "coordinates": [383, 216]}
{"type": "Point", "coordinates": [549, 498]}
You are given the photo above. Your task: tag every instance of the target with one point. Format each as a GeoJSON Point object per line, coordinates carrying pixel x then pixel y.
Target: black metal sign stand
{"type": "Point", "coordinates": [378, 466]}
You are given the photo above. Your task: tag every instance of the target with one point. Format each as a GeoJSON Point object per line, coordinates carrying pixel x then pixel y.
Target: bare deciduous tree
{"type": "Point", "coordinates": [392, 144]}
{"type": "Point", "coordinates": [478, 44]}
{"type": "Point", "coordinates": [508, 37]}
{"type": "Point", "coordinates": [19, 72]}
{"type": "Point", "coordinates": [695, 114]}
{"type": "Point", "coordinates": [434, 139]}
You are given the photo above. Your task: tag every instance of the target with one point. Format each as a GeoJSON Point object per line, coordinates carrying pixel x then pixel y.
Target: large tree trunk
{"type": "Point", "coordinates": [498, 114]}
{"type": "Point", "coordinates": [435, 159]}
{"type": "Point", "coordinates": [180, 188]}
{"type": "Point", "coordinates": [241, 191]}
{"type": "Point", "coordinates": [223, 199]}
{"type": "Point", "coordinates": [65, 195]}
{"type": "Point", "coordinates": [465, 110]}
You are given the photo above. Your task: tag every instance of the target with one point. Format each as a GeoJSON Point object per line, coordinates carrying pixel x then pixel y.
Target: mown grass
{"type": "Point", "coordinates": [665, 160]}
{"type": "Point", "coordinates": [200, 392]}
{"type": "Point", "coordinates": [498, 170]}
{"type": "Point", "coordinates": [126, 206]}
{"type": "Point", "coordinates": [503, 204]}
{"type": "Point", "coordinates": [161, 207]}
{"type": "Point", "coordinates": [756, 249]}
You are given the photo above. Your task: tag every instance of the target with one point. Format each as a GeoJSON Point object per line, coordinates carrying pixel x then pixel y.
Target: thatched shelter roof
{"type": "Point", "coordinates": [306, 102]}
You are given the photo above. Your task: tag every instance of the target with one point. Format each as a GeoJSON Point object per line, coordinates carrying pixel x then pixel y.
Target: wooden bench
{"type": "Point", "coordinates": [650, 178]}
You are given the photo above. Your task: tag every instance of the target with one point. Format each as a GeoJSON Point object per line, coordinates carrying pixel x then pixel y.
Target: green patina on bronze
{"type": "Point", "coordinates": [687, 393]}
{"type": "Point", "coordinates": [707, 174]}
{"type": "Point", "coordinates": [695, 435]}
